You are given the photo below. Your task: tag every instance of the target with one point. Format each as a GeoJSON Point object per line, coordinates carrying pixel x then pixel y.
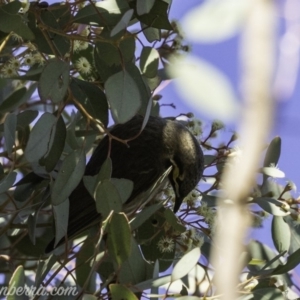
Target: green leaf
{"type": "Point", "coordinates": [17, 282]}
{"type": "Point", "coordinates": [272, 188]}
{"type": "Point", "coordinates": [14, 98]}
{"type": "Point", "coordinates": [33, 74]}
{"type": "Point", "coordinates": [148, 236]}
{"type": "Point", "coordinates": [105, 170]}
{"type": "Point", "coordinates": [7, 182]}
{"type": "Point", "coordinates": [272, 206]}
{"type": "Point", "coordinates": [121, 292]}
{"type": "Point", "coordinates": [123, 95]}
{"type": "Point", "coordinates": [123, 23]}
{"type": "Point", "coordinates": [104, 13]}
{"type": "Point", "coordinates": [56, 145]}
{"type": "Point", "coordinates": [273, 152]}
{"type": "Point", "coordinates": [10, 126]}
{"type": "Point", "coordinates": [43, 269]}
{"type": "Point", "coordinates": [154, 282]}
{"type": "Point", "coordinates": [292, 262]}
{"type": "Point", "coordinates": [267, 294]}
{"type": "Point", "coordinates": [107, 198]}
{"type": "Point", "coordinates": [23, 119]}
{"type": "Point", "coordinates": [144, 215]}
{"type": "Point", "coordinates": [68, 177]}
{"type": "Point", "coordinates": [261, 252]}
{"type": "Point", "coordinates": [118, 238]}
{"type": "Point", "coordinates": [134, 269]}
{"type": "Point", "coordinates": [150, 33]}
{"type": "Point", "coordinates": [144, 7]}
{"type": "Point", "coordinates": [61, 217]}
{"type": "Point", "coordinates": [157, 17]}
{"type": "Point", "coordinates": [17, 98]}
{"type": "Point", "coordinates": [186, 263]}
{"type": "Point", "coordinates": [54, 81]}
{"type": "Point", "coordinates": [114, 54]}
{"type": "Point", "coordinates": [91, 182]}
{"type": "Point", "coordinates": [272, 155]}
{"type": "Point", "coordinates": [38, 143]}
{"type": "Point", "coordinates": [10, 20]}
{"type": "Point", "coordinates": [83, 266]}
{"type": "Point", "coordinates": [145, 94]}
{"type": "Point", "coordinates": [149, 62]}
{"type": "Point", "coordinates": [281, 234]}
{"type": "Point", "coordinates": [91, 98]}
{"type": "Point", "coordinates": [32, 221]}
{"type": "Point", "coordinates": [174, 221]}
{"type": "Point", "coordinates": [124, 187]}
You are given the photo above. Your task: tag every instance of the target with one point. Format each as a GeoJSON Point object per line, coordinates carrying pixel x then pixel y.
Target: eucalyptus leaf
{"type": "Point", "coordinates": [38, 143]}
{"type": "Point", "coordinates": [7, 181]}
{"type": "Point", "coordinates": [273, 152]}
{"type": "Point", "coordinates": [144, 215]}
{"type": "Point", "coordinates": [10, 101]}
{"type": "Point", "coordinates": [61, 217]}
{"type": "Point", "coordinates": [85, 276]}
{"type": "Point", "coordinates": [104, 13]}
{"type": "Point", "coordinates": [144, 7]}
{"type": "Point", "coordinates": [267, 293]}
{"type": "Point", "coordinates": [134, 269]}
{"type": "Point", "coordinates": [272, 206]}
{"type": "Point", "coordinates": [124, 186]}
{"type": "Point", "coordinates": [68, 177]}
{"type": "Point", "coordinates": [17, 282]}
{"type": "Point", "coordinates": [149, 62]}
{"type": "Point", "coordinates": [10, 20]}
{"type": "Point", "coordinates": [123, 23]}
{"type": "Point", "coordinates": [56, 145]}
{"type": "Point", "coordinates": [292, 261]}
{"type": "Point", "coordinates": [150, 33]}
{"type": "Point", "coordinates": [54, 81]}
{"type": "Point", "coordinates": [186, 264]}
{"type": "Point", "coordinates": [148, 235]}
{"type": "Point", "coordinates": [43, 269]}
{"type": "Point", "coordinates": [91, 98]}
{"type": "Point", "coordinates": [118, 238]}
{"type": "Point", "coordinates": [107, 198]}
{"type": "Point", "coordinates": [123, 95]}
{"type": "Point", "coordinates": [272, 157]}
{"type": "Point", "coordinates": [157, 17]}
{"type": "Point", "coordinates": [281, 234]}
{"type": "Point", "coordinates": [23, 119]}
{"type": "Point", "coordinates": [120, 292]}
{"type": "Point", "coordinates": [10, 126]}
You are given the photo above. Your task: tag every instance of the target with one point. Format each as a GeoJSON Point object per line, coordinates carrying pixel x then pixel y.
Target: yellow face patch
{"type": "Point", "coordinates": [175, 176]}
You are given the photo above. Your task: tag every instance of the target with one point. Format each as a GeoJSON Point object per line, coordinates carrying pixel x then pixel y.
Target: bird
{"type": "Point", "coordinates": [163, 143]}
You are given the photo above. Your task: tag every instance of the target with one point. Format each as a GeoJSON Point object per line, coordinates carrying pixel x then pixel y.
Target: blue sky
{"type": "Point", "coordinates": [224, 56]}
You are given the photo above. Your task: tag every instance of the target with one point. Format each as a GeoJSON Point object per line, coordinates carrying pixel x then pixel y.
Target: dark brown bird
{"type": "Point", "coordinates": [162, 143]}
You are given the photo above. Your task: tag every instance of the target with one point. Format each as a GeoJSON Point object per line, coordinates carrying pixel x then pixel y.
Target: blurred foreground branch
{"type": "Point", "coordinates": [257, 62]}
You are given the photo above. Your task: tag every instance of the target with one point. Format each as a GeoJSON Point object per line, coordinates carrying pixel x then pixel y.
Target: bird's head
{"type": "Point", "coordinates": [186, 158]}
